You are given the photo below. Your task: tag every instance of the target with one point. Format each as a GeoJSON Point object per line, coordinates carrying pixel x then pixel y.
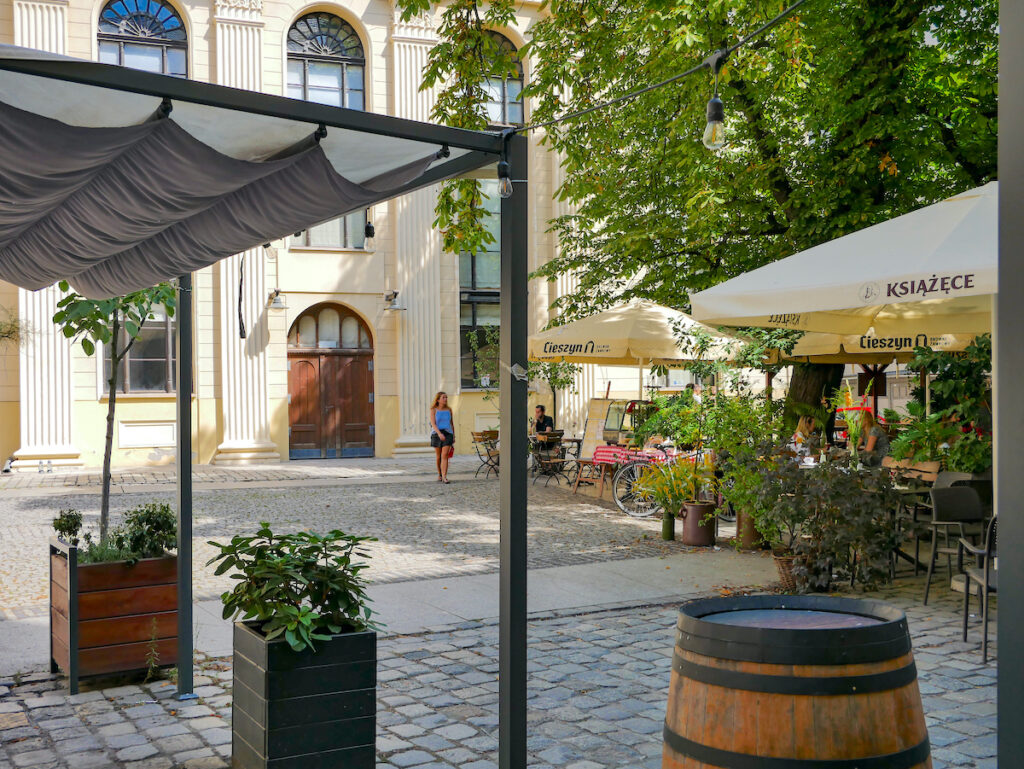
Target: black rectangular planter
{"type": "Point", "coordinates": [304, 710]}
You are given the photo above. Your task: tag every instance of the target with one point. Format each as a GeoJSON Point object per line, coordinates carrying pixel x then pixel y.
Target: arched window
{"type": "Point", "coordinates": [325, 61]}
{"type": "Point", "coordinates": [326, 64]}
{"type": "Point", "coordinates": [505, 89]}
{"type": "Point", "coordinates": [329, 327]}
{"type": "Point", "coordinates": [143, 34]}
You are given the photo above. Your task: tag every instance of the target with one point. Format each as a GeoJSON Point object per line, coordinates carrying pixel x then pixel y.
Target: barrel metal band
{"type": "Point", "coordinates": [757, 682]}
{"type": "Point", "coordinates": [727, 759]}
{"type": "Point", "coordinates": [758, 649]}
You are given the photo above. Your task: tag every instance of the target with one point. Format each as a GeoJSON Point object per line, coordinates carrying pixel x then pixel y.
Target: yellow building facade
{"type": "Point", "coordinates": [347, 337]}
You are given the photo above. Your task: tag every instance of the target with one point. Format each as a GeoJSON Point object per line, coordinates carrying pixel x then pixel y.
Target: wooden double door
{"type": "Point", "coordinates": [330, 404]}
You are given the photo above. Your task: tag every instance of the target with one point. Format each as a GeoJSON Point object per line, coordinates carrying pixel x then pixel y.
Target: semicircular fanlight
{"type": "Point", "coordinates": [324, 34]}
{"type": "Point", "coordinates": [142, 19]}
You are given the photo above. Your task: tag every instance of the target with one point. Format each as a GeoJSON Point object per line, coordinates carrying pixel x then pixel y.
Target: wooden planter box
{"type": "Point", "coordinates": [304, 710]}
{"type": "Point", "coordinates": [107, 618]}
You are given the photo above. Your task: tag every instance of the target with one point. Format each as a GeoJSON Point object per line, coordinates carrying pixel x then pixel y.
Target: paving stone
{"type": "Point", "coordinates": [178, 743]}
{"type": "Point", "coordinates": [220, 736]}
{"type": "Point", "coordinates": [410, 758]}
{"type": "Point", "coordinates": [207, 762]}
{"type": "Point", "coordinates": [125, 741]}
{"type": "Point", "coordinates": [34, 758]}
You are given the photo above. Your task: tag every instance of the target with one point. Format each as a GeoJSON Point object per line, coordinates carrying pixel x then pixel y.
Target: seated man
{"type": "Point", "coordinates": [542, 423]}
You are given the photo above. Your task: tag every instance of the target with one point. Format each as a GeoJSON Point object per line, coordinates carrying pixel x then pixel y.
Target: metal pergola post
{"type": "Point", "coordinates": [184, 461]}
{"type": "Point", "coordinates": [514, 448]}
{"type": "Point", "coordinates": [1008, 367]}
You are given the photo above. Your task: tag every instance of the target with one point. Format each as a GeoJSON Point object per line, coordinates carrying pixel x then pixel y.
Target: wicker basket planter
{"type": "Point", "coordinates": [784, 563]}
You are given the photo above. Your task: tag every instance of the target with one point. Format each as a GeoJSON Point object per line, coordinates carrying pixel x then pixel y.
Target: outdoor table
{"type": "Point", "coordinates": [610, 457]}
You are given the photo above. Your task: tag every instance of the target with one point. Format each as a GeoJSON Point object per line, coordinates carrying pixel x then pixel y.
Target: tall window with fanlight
{"type": "Point", "coordinates": [327, 65]}
{"type": "Point", "coordinates": [143, 34]}
{"type": "Point", "coordinates": [505, 89]}
{"type": "Point", "coordinates": [148, 35]}
{"type": "Point", "coordinates": [480, 273]}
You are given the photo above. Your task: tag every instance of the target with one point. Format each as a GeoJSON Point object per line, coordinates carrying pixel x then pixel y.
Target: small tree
{"type": "Point", "coordinates": [117, 323]}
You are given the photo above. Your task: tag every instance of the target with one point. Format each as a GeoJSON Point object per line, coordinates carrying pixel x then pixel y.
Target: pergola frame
{"type": "Point", "coordinates": [484, 148]}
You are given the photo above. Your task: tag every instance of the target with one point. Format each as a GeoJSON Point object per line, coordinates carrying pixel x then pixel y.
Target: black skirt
{"type": "Point", "coordinates": [448, 440]}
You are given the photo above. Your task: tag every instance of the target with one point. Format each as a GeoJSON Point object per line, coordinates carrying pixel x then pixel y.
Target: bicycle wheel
{"type": "Point", "coordinates": [632, 504]}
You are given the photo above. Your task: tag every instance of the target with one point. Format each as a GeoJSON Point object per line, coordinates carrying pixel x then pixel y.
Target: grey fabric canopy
{"type": "Point", "coordinates": [116, 191]}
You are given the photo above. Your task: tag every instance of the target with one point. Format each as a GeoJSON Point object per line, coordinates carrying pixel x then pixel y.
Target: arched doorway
{"type": "Point", "coordinates": [330, 385]}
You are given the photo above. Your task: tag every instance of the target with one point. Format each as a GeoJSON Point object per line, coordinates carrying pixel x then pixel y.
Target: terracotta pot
{"type": "Point", "coordinates": [747, 536]}
{"type": "Point", "coordinates": [696, 532]}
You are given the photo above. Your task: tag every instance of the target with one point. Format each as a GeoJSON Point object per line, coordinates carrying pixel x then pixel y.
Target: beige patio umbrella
{"type": "Point", "coordinates": [932, 271]}
{"type": "Point", "coordinates": [638, 333]}
{"type": "Point", "coordinates": [815, 347]}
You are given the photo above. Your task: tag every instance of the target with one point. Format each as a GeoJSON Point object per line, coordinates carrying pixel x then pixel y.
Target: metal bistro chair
{"type": "Point", "coordinates": [952, 508]}
{"type": "Point", "coordinates": [486, 452]}
{"type": "Point", "coordinates": [551, 460]}
{"type": "Point", "coordinates": [984, 575]}
{"type": "Point", "coordinates": [916, 505]}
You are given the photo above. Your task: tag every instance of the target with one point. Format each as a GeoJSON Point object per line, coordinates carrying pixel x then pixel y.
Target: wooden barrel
{"type": "Point", "coordinates": [794, 682]}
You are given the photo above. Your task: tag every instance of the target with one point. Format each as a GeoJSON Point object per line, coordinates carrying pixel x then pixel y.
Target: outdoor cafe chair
{"type": "Point", "coordinates": [952, 508]}
{"type": "Point", "coordinates": [984, 574]}
{"type": "Point", "coordinates": [943, 480]}
{"type": "Point", "coordinates": [486, 451]}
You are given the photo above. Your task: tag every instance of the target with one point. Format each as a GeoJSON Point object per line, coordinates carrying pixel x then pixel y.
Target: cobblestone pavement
{"type": "Point", "coordinates": [597, 693]}
{"type": "Point", "coordinates": [202, 474]}
{"type": "Point", "coordinates": [425, 529]}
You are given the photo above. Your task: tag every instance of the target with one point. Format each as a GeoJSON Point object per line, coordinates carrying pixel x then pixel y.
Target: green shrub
{"type": "Point", "coordinates": [148, 531]}
{"type": "Point", "coordinates": [302, 586]}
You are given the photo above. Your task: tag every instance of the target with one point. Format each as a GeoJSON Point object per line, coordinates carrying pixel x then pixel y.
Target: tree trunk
{"type": "Point", "coordinates": [810, 383]}
{"type": "Point", "coordinates": [108, 445]}
{"type": "Point", "coordinates": [554, 405]}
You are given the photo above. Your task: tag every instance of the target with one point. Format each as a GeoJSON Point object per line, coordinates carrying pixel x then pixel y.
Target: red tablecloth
{"type": "Point", "coordinates": [617, 455]}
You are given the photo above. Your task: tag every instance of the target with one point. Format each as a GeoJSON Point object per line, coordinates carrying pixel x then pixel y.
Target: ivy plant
{"type": "Point", "coordinates": [304, 587]}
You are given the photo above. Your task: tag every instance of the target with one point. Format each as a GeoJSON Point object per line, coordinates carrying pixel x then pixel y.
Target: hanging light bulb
{"type": "Point", "coordinates": [504, 179]}
{"type": "Point", "coordinates": [368, 236]}
{"type": "Point", "coordinates": [714, 132]}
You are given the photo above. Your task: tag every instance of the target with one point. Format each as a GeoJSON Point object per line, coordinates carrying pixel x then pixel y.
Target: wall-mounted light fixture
{"type": "Point", "coordinates": [277, 300]}
{"type": "Point", "coordinates": [391, 301]}
{"type": "Point", "coordinates": [369, 232]}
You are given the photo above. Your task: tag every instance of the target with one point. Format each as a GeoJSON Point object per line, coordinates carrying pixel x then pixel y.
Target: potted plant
{"type": "Point", "coordinates": [739, 423]}
{"type": "Point", "coordinates": [682, 489]}
{"type": "Point", "coordinates": [114, 602]}
{"type": "Point", "coordinates": [305, 650]}
{"type": "Point", "coordinates": [830, 521]}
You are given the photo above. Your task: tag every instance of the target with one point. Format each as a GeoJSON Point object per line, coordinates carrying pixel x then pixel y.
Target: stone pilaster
{"type": "Point", "coordinates": [45, 385]}
{"type": "Point", "coordinates": [45, 356]}
{"type": "Point", "coordinates": [417, 250]}
{"type": "Point", "coordinates": [41, 24]}
{"type": "Point", "coordinates": [243, 362]}
{"type": "Point", "coordinates": [239, 43]}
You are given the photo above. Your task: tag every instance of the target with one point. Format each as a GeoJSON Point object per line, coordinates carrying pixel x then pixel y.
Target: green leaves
{"type": "Point", "coordinates": [148, 531]}
{"type": "Point", "coordinates": [849, 113]}
{"type": "Point", "coordinates": [93, 321]}
{"type": "Point", "coordinates": [301, 586]}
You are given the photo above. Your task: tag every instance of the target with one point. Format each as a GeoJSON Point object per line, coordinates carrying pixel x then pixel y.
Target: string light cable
{"type": "Point", "coordinates": [713, 61]}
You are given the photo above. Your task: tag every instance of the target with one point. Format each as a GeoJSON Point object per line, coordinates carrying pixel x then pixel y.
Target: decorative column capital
{"type": "Point", "coordinates": [419, 29]}
{"type": "Point", "coordinates": [244, 11]}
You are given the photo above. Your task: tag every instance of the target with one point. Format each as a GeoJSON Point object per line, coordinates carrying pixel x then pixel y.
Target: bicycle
{"type": "Point", "coordinates": [637, 505]}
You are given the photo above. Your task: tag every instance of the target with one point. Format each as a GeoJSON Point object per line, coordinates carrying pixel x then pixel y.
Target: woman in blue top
{"type": "Point", "coordinates": [442, 436]}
